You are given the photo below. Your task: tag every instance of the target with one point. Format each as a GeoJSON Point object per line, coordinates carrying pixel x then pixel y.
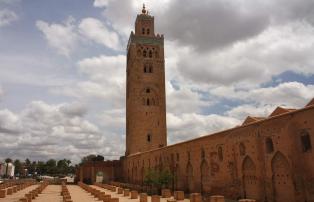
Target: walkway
{"type": "Point", "coordinates": [80, 195]}
{"type": "Point", "coordinates": [50, 194]}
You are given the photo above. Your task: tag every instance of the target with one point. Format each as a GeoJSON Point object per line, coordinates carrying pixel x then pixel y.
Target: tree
{"type": "Point", "coordinates": [51, 167]}
{"type": "Point", "coordinates": [88, 158]}
{"type": "Point", "coordinates": [18, 167]}
{"type": "Point", "coordinates": [157, 179]}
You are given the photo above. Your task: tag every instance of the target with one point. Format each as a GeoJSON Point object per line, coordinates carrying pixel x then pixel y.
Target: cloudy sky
{"type": "Point", "coordinates": [62, 69]}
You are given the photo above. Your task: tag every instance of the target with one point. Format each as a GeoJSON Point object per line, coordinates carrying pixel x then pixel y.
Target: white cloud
{"type": "Point", "coordinates": [242, 111]}
{"type": "Point", "coordinates": [98, 32]}
{"type": "Point", "coordinates": [254, 61]}
{"type": "Point", "coordinates": [290, 94]}
{"type": "Point", "coordinates": [43, 131]}
{"type": "Point", "coordinates": [101, 3]}
{"type": "Point", "coordinates": [62, 37]}
{"type": "Point", "coordinates": [7, 17]}
{"type": "Point", "coordinates": [191, 125]}
{"type": "Point", "coordinates": [1, 92]}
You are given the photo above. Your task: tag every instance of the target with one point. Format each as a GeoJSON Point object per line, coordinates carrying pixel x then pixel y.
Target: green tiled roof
{"type": "Point", "coordinates": [145, 40]}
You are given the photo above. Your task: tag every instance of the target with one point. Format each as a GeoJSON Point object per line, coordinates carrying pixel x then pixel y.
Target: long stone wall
{"type": "Point", "coordinates": [265, 160]}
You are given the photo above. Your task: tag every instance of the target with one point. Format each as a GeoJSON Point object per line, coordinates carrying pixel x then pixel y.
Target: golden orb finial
{"type": "Point", "coordinates": [144, 10]}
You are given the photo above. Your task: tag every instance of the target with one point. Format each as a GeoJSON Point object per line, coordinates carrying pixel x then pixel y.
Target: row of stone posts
{"type": "Point", "coordinates": [34, 193]}
{"type": "Point", "coordinates": [165, 193]}
{"type": "Point", "coordinates": [9, 188]}
{"type": "Point", "coordinates": [65, 193]}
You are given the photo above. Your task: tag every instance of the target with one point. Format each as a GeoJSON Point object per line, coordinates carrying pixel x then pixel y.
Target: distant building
{"type": "Point", "coordinates": [4, 167]}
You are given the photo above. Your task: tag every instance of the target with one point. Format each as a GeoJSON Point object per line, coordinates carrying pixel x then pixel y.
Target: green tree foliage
{"type": "Point", "coordinates": [51, 167]}
{"type": "Point", "coordinates": [157, 179]}
{"type": "Point", "coordinates": [18, 167]}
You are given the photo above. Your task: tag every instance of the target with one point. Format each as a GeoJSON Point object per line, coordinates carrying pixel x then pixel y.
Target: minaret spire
{"type": "Point", "coordinates": [144, 10]}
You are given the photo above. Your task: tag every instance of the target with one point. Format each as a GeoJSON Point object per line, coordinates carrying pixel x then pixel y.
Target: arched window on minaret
{"type": "Point", "coordinates": [147, 31]}
{"type": "Point", "coordinates": [143, 30]}
{"type": "Point", "coordinates": [147, 102]}
{"type": "Point", "coordinates": [150, 54]}
{"type": "Point", "coordinates": [145, 53]}
{"type": "Point", "coordinates": [145, 68]}
{"type": "Point", "coordinates": [150, 68]}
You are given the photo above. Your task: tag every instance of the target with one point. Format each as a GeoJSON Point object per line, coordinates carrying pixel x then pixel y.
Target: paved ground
{"type": "Point", "coordinates": [128, 199]}
{"type": "Point", "coordinates": [50, 194]}
{"type": "Point", "coordinates": [16, 196]}
{"type": "Point", "coordinates": [80, 195]}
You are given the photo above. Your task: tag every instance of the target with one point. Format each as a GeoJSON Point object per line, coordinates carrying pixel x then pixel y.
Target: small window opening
{"type": "Point", "coordinates": [148, 31]}
{"type": "Point", "coordinates": [145, 53]}
{"type": "Point", "coordinates": [150, 68]}
{"type": "Point", "coordinates": [306, 141]}
{"type": "Point", "coordinates": [147, 90]}
{"type": "Point", "coordinates": [150, 54]}
{"type": "Point", "coordinates": [147, 102]}
{"type": "Point", "coordinates": [149, 137]}
{"type": "Point", "coordinates": [143, 30]}
{"type": "Point", "coordinates": [242, 149]}
{"type": "Point", "coordinates": [220, 154]}
{"type": "Point", "coordinates": [269, 145]}
{"type": "Point", "coordinates": [145, 69]}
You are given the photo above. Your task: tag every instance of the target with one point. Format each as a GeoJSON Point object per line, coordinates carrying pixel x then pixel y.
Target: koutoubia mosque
{"type": "Point", "coordinates": [266, 158]}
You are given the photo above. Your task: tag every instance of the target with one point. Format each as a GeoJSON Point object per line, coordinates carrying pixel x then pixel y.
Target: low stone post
{"type": "Point", "coordinates": [9, 191]}
{"type": "Point", "coordinates": [23, 200]}
{"type": "Point", "coordinates": [126, 192]}
{"type": "Point", "coordinates": [195, 197]}
{"type": "Point", "coordinates": [120, 190]}
{"type": "Point", "coordinates": [155, 198]}
{"type": "Point", "coordinates": [114, 200]}
{"type": "Point", "coordinates": [165, 193]}
{"type": "Point", "coordinates": [2, 193]}
{"type": "Point", "coordinates": [143, 197]}
{"type": "Point", "coordinates": [179, 195]}
{"type": "Point", "coordinates": [134, 194]}
{"type": "Point", "coordinates": [217, 198]}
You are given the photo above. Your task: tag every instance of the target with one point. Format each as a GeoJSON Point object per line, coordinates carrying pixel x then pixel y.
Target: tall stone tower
{"type": "Point", "coordinates": [145, 88]}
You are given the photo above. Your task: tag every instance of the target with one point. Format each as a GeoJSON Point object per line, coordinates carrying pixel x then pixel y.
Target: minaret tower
{"type": "Point", "coordinates": [145, 88]}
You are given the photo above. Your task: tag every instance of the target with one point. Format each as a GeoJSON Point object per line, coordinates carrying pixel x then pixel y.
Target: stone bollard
{"type": "Point", "coordinates": [126, 192]}
{"type": "Point", "coordinates": [113, 189]}
{"type": "Point", "coordinates": [9, 191]}
{"type": "Point", "coordinates": [171, 200]}
{"type": "Point", "coordinates": [179, 195]}
{"type": "Point", "coordinates": [120, 190]}
{"type": "Point", "coordinates": [195, 197]}
{"type": "Point", "coordinates": [23, 200]}
{"type": "Point", "coordinates": [14, 189]}
{"type": "Point", "coordinates": [217, 198]}
{"type": "Point", "coordinates": [165, 193]}
{"type": "Point", "coordinates": [29, 197]}
{"type": "Point", "coordinates": [134, 194]}
{"type": "Point", "coordinates": [106, 198]}
{"type": "Point", "coordinates": [246, 200]}
{"type": "Point", "coordinates": [155, 198]}
{"type": "Point", "coordinates": [114, 200]}
{"type": "Point", "coordinates": [2, 193]}
{"type": "Point", "coordinates": [143, 197]}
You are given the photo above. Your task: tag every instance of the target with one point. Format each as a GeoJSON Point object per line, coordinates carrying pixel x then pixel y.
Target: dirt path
{"type": "Point", "coordinates": [50, 194]}
{"type": "Point", "coordinates": [80, 195]}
